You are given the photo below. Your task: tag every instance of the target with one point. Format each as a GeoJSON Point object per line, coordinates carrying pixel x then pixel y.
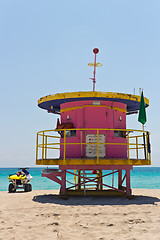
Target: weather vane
{"type": "Point", "coordinates": [95, 50]}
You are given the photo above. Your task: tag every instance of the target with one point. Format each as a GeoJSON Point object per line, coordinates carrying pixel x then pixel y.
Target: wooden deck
{"type": "Point", "coordinates": [87, 161]}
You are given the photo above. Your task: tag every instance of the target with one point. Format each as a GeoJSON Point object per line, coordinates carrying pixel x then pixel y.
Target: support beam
{"type": "Point", "coordinates": [128, 185]}
{"type": "Point", "coordinates": [63, 183]}
{"type": "Point", "coordinates": [84, 182]}
{"type": "Point", "coordinates": [95, 167]}
{"type": "Point", "coordinates": [119, 179]}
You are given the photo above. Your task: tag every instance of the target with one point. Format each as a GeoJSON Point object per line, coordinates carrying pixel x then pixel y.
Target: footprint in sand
{"type": "Point", "coordinates": [9, 227]}
{"type": "Point", "coordinates": [54, 223]}
{"type": "Point", "coordinates": [134, 221]}
{"type": "Point", "coordinates": [110, 225]}
{"type": "Point", "coordinates": [83, 226]}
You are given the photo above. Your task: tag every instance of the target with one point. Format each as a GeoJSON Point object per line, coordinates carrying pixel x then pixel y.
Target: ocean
{"type": "Point", "coordinates": [141, 177]}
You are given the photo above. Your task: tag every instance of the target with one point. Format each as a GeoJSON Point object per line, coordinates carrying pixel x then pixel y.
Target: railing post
{"type": "Point", "coordinates": [37, 148]}
{"type": "Point", "coordinates": [137, 146]}
{"type": "Point", "coordinates": [45, 155]}
{"type": "Point", "coordinates": [128, 144]}
{"type": "Point", "coordinates": [144, 143]}
{"type": "Point", "coordinates": [97, 146]}
{"type": "Point", "coordinates": [147, 146]}
{"type": "Point", "coordinates": [81, 138]}
{"type": "Point", "coordinates": [43, 147]}
{"type": "Point", "coordinates": [64, 148]}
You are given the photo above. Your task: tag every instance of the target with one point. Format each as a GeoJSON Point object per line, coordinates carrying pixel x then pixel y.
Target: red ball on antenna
{"type": "Point", "coordinates": [96, 50]}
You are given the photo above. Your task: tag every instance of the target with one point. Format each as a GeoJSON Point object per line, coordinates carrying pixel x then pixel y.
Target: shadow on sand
{"type": "Point", "coordinates": [17, 192]}
{"type": "Point", "coordinates": [90, 200]}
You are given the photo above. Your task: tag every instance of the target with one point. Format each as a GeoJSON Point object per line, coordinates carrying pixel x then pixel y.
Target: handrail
{"type": "Point", "coordinates": [97, 146]}
{"type": "Point", "coordinates": [109, 129]}
{"type": "Point", "coordinates": [47, 135]}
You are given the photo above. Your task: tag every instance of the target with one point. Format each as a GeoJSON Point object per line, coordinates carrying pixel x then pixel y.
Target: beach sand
{"type": "Point", "coordinates": [42, 215]}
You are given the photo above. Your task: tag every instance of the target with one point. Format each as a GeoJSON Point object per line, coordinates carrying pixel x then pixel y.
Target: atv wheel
{"type": "Point", "coordinates": [26, 187]}
{"type": "Point", "coordinates": [30, 187]}
{"type": "Point", "coordinates": [11, 188]}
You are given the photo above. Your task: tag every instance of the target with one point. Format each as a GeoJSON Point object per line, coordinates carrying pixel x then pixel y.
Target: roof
{"type": "Point", "coordinates": [52, 102]}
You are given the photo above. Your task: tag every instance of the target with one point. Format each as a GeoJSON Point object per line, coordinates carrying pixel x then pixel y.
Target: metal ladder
{"type": "Point", "coordinates": [84, 180]}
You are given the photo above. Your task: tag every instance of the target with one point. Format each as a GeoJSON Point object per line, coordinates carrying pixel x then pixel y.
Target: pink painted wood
{"type": "Point", "coordinates": [53, 176]}
{"type": "Point", "coordinates": [96, 167]}
{"type": "Point", "coordinates": [63, 182]}
{"type": "Point", "coordinates": [84, 114]}
{"type": "Point", "coordinates": [119, 179]}
{"type": "Point", "coordinates": [128, 184]}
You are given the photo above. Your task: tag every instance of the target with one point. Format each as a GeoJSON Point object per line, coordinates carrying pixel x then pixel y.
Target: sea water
{"type": "Point", "coordinates": [141, 177]}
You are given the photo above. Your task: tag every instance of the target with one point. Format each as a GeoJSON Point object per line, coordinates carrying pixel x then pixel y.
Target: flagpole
{"type": "Point", "coordinates": [142, 119]}
{"type": "Point", "coordinates": [144, 141]}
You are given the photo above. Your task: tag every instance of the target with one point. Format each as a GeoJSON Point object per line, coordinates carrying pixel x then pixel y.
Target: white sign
{"type": "Point", "coordinates": [91, 149]}
{"type": "Point", "coordinates": [96, 103]}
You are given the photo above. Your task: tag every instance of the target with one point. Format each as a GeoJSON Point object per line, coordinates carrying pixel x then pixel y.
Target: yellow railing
{"type": "Point", "coordinates": [138, 143]}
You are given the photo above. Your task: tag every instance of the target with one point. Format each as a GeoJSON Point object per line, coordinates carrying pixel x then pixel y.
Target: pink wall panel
{"type": "Point", "coordinates": [83, 114]}
{"type": "Point", "coordinates": [72, 151]}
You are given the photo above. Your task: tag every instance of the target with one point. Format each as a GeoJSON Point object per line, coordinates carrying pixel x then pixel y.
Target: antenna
{"type": "Point", "coordinates": [95, 51]}
{"type": "Point", "coordinates": [134, 91]}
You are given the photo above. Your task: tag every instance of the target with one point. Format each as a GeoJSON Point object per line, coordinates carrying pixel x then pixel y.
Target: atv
{"type": "Point", "coordinates": [20, 180]}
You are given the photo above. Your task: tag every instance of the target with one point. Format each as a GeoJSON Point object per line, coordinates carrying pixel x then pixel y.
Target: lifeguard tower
{"type": "Point", "coordinates": [93, 142]}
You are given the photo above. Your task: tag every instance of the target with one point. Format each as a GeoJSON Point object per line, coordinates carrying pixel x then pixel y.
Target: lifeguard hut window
{"type": "Point", "coordinates": [70, 133]}
{"type": "Point", "coordinates": [120, 134]}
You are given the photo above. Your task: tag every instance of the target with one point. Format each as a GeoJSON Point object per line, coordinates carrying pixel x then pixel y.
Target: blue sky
{"type": "Point", "coordinates": [45, 47]}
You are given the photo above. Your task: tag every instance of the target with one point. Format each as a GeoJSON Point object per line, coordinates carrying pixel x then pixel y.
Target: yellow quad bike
{"type": "Point", "coordinates": [19, 181]}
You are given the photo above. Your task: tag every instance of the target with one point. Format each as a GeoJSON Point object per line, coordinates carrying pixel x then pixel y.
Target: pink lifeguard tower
{"type": "Point", "coordinates": [92, 141]}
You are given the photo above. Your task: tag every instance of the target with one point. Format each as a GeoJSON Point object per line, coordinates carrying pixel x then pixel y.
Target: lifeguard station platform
{"type": "Point", "coordinates": [93, 142]}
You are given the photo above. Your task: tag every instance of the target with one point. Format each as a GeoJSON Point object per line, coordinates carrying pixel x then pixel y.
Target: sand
{"type": "Point", "coordinates": [42, 215]}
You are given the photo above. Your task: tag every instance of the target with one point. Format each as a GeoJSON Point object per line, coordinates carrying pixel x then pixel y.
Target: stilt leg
{"type": "Point", "coordinates": [63, 183]}
{"type": "Point", "coordinates": [99, 180]}
{"type": "Point", "coordinates": [100, 174]}
{"type": "Point", "coordinates": [119, 179]}
{"type": "Point", "coordinates": [79, 179]}
{"type": "Point", "coordinates": [128, 185]}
